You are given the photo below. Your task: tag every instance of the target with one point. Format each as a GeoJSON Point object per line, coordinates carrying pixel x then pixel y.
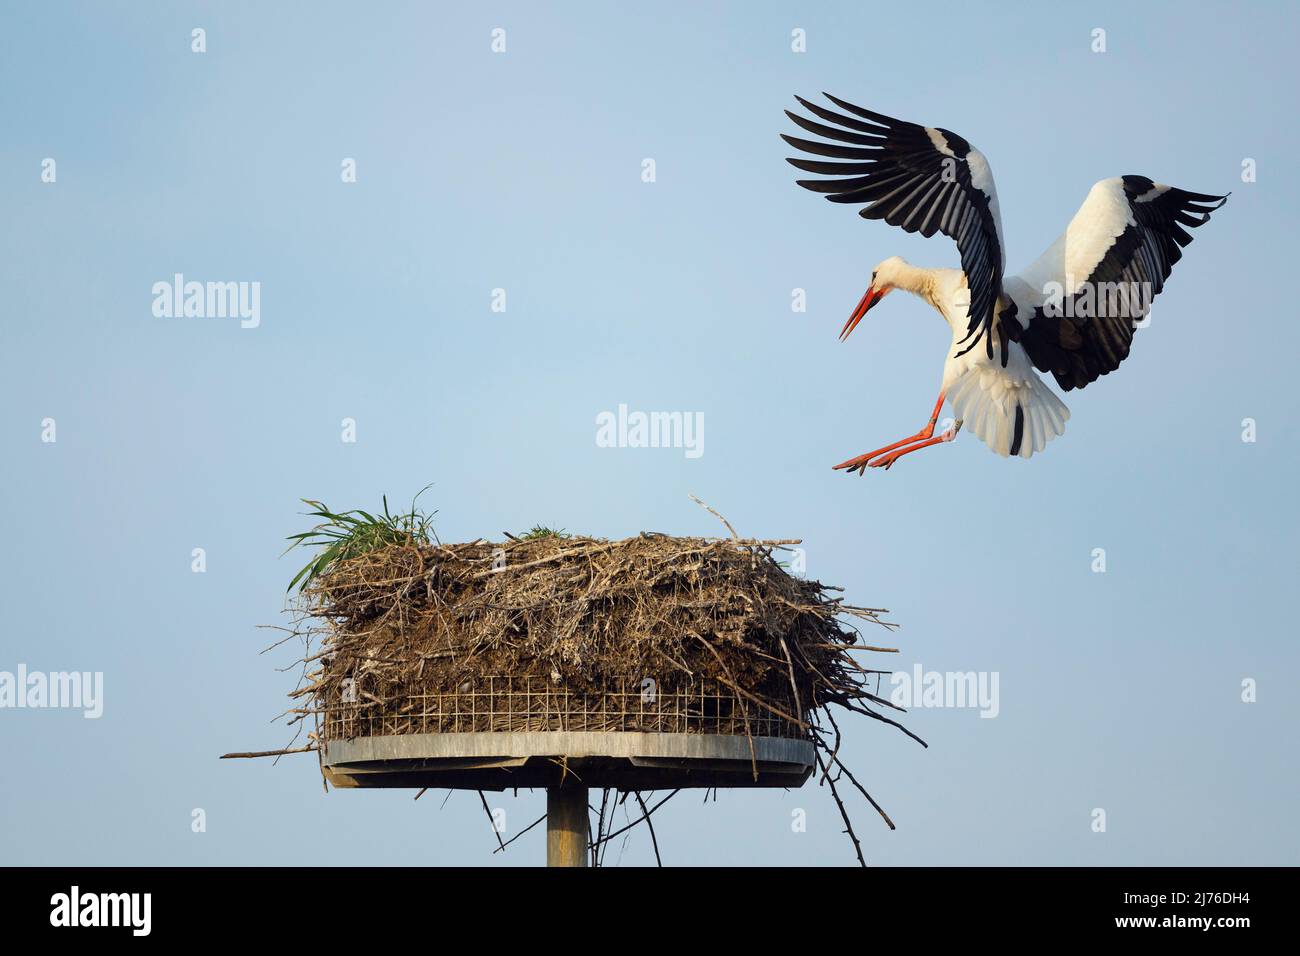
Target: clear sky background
{"type": "Point", "coordinates": [522, 171]}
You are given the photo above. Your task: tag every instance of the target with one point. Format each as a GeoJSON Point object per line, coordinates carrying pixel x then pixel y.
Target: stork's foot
{"type": "Point", "coordinates": [881, 457]}
{"type": "Point", "coordinates": [860, 463]}
{"type": "Point", "coordinates": [887, 461]}
{"type": "Point", "coordinates": [866, 461]}
{"type": "Point", "coordinates": [870, 460]}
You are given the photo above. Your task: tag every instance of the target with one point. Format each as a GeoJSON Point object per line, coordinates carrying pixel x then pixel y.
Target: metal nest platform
{"type": "Point", "coordinates": [499, 733]}
{"type": "Point", "coordinates": [621, 760]}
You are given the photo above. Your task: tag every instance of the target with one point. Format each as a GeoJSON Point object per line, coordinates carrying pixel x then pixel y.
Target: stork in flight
{"type": "Point", "coordinates": [1072, 312]}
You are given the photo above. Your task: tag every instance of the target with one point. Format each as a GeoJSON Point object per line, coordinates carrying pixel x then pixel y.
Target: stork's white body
{"type": "Point", "coordinates": [982, 393]}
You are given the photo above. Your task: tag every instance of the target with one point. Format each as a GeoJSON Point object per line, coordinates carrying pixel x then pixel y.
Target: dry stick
{"type": "Point", "coordinates": [488, 811]}
{"type": "Point", "coordinates": [654, 841]}
{"type": "Point", "coordinates": [292, 633]}
{"type": "Point", "coordinates": [716, 515]}
{"type": "Point", "coordinates": [844, 814]}
{"type": "Point", "coordinates": [520, 833]}
{"type": "Point", "coordinates": [646, 816]}
{"type": "Point", "coordinates": [303, 711]}
{"type": "Point", "coordinates": [565, 769]}
{"type": "Point", "coordinates": [810, 666]}
{"type": "Point", "coordinates": [600, 827]}
{"type": "Point", "coordinates": [552, 557]}
{"type": "Point", "coordinates": [404, 579]}
{"type": "Point", "coordinates": [604, 849]}
{"type": "Point", "coordinates": [296, 734]}
{"type": "Point", "coordinates": [271, 753]}
{"type": "Point", "coordinates": [875, 699]}
{"type": "Point", "coordinates": [798, 703]}
{"type": "Point", "coordinates": [850, 662]}
{"type": "Point", "coordinates": [834, 754]}
{"type": "Point", "coordinates": [744, 711]}
{"type": "Point", "coordinates": [849, 705]}
{"type": "Point", "coordinates": [802, 725]}
{"type": "Point", "coordinates": [604, 825]}
{"type": "Point", "coordinates": [858, 647]}
{"type": "Point", "coordinates": [675, 662]}
{"type": "Point", "coordinates": [834, 757]}
{"type": "Point", "coordinates": [871, 670]}
{"type": "Point", "coordinates": [862, 789]}
{"type": "Point", "coordinates": [626, 837]}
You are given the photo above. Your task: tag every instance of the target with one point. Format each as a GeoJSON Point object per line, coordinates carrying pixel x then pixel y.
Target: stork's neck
{"type": "Point", "coordinates": [918, 281]}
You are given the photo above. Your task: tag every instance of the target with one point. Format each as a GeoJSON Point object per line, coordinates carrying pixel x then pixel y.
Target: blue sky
{"type": "Point", "coordinates": [522, 171]}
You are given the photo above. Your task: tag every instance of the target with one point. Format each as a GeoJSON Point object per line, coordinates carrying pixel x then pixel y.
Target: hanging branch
{"type": "Point", "coordinates": [601, 848]}
{"type": "Point", "coordinates": [495, 831]}
{"type": "Point", "coordinates": [644, 816]}
{"type": "Point", "coordinates": [854, 780]}
{"type": "Point", "coordinates": [844, 814]}
{"type": "Point", "coordinates": [654, 841]}
{"type": "Point", "coordinates": [520, 833]}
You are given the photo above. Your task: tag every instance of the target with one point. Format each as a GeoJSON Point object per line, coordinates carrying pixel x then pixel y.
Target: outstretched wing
{"type": "Point", "coordinates": [1093, 286]}
{"type": "Point", "coordinates": [920, 178]}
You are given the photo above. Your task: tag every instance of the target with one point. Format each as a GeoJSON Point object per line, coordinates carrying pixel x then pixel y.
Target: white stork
{"type": "Point", "coordinates": [1072, 312]}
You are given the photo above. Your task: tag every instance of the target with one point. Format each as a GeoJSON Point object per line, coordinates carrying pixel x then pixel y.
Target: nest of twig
{"type": "Point", "coordinates": [403, 624]}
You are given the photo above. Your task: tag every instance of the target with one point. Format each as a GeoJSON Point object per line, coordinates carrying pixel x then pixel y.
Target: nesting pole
{"type": "Point", "coordinates": [566, 826]}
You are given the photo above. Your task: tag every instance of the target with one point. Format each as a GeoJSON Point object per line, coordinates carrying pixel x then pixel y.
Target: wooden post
{"type": "Point", "coordinates": [566, 826]}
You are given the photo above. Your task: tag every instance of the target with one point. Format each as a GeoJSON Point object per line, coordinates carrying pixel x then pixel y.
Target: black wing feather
{"type": "Point", "coordinates": [904, 178]}
{"type": "Point", "coordinates": [1086, 338]}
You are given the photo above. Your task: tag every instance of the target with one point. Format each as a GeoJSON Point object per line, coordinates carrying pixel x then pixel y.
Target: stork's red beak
{"type": "Point", "coordinates": [872, 296]}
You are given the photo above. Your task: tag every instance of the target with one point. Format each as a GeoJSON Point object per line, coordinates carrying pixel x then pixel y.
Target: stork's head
{"type": "Point", "coordinates": [883, 281]}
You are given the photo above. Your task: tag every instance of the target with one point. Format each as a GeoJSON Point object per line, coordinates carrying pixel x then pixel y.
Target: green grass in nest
{"type": "Point", "coordinates": [347, 534]}
{"type": "Point", "coordinates": [541, 531]}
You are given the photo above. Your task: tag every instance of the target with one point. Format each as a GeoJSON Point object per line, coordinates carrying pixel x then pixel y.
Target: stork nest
{"type": "Point", "coordinates": [393, 628]}
{"type": "Point", "coordinates": [407, 621]}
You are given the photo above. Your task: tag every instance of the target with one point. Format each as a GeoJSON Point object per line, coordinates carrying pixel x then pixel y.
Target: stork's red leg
{"type": "Point", "coordinates": [886, 461]}
{"type": "Point", "coordinates": [859, 464]}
